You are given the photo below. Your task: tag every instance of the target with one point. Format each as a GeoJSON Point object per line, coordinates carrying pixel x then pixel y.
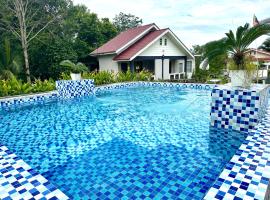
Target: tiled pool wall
{"type": "Point", "coordinates": [78, 88]}
{"type": "Point", "coordinates": [238, 109]}
{"type": "Point", "coordinates": [246, 176]}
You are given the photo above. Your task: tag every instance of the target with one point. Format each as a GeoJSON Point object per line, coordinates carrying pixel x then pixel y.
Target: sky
{"type": "Point", "coordinates": [193, 21]}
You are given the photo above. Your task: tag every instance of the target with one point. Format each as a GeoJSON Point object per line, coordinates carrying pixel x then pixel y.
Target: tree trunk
{"type": "Point", "coordinates": [21, 16]}
{"type": "Point", "coordinates": [26, 61]}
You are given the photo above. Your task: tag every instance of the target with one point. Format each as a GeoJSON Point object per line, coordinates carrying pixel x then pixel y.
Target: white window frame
{"type": "Point", "coordinates": [189, 67]}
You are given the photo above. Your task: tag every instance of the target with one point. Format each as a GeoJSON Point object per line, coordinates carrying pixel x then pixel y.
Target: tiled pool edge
{"type": "Point", "coordinates": [29, 98]}
{"type": "Point", "coordinates": [247, 175]}
{"type": "Point", "coordinates": [19, 181]}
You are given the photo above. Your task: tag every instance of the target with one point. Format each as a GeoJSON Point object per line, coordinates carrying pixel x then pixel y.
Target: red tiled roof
{"type": "Point", "coordinates": [260, 59]}
{"type": "Point", "coordinates": [259, 50]}
{"type": "Point", "coordinates": [139, 45]}
{"type": "Point", "coordinates": [122, 39]}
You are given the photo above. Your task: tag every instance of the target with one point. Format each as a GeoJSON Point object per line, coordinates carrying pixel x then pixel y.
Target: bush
{"type": "Point", "coordinates": [100, 78]}
{"type": "Point", "coordinates": [14, 86]}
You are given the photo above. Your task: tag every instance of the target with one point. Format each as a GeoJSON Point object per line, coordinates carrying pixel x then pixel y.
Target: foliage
{"type": "Point", "coordinates": [236, 45]}
{"type": "Point", "coordinates": [72, 35]}
{"type": "Point", "coordinates": [106, 77]}
{"type": "Point", "coordinates": [124, 21]}
{"type": "Point", "coordinates": [14, 86]}
{"type": "Point", "coordinates": [45, 57]}
{"type": "Point", "coordinates": [10, 63]}
{"type": "Point", "coordinates": [200, 75]}
{"type": "Point", "coordinates": [26, 19]}
{"type": "Point", "coordinates": [72, 67]}
{"type": "Point", "coordinates": [100, 78]}
{"type": "Point", "coordinates": [125, 76]}
{"type": "Point", "coordinates": [265, 45]}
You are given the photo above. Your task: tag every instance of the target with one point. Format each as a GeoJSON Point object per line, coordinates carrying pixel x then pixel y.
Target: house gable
{"type": "Point", "coordinates": [170, 49]}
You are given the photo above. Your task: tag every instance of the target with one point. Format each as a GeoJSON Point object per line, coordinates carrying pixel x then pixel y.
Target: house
{"type": "Point", "coordinates": [147, 47]}
{"type": "Point", "coordinates": [262, 59]}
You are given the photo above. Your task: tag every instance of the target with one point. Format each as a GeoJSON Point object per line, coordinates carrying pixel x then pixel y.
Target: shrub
{"type": "Point", "coordinates": [72, 67]}
{"type": "Point", "coordinates": [100, 78]}
{"type": "Point", "coordinates": [14, 86]}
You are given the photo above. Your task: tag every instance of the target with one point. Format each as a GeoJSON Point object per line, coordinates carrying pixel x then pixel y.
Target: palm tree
{"type": "Point", "coordinates": [10, 63]}
{"type": "Point", "coordinates": [265, 45]}
{"type": "Point", "coordinates": [236, 45]}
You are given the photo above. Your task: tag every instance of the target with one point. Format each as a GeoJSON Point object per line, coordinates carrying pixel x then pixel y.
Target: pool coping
{"type": "Point", "coordinates": [235, 181]}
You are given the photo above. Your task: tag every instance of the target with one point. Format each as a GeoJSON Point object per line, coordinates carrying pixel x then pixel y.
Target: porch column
{"type": "Point", "coordinates": [166, 66]}
{"type": "Point", "coordinates": [158, 69]}
{"type": "Point", "coordinates": [185, 67]}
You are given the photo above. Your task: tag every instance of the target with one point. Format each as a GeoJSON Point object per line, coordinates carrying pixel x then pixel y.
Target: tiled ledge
{"type": "Point", "coordinates": [19, 181]}
{"type": "Point", "coordinates": [29, 98]}
{"type": "Point", "coordinates": [200, 86]}
{"type": "Point", "coordinates": [247, 174]}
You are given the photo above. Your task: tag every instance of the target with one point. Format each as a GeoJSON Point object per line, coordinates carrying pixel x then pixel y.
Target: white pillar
{"type": "Point", "coordinates": [158, 69]}
{"type": "Point", "coordinates": [166, 65]}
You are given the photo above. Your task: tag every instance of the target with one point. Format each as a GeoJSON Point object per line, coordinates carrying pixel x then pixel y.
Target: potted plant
{"type": "Point", "coordinates": [75, 69]}
{"type": "Point", "coordinates": [236, 47]}
{"type": "Point", "coordinates": [242, 75]}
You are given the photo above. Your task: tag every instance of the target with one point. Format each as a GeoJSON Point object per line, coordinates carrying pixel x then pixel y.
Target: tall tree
{"type": "Point", "coordinates": [25, 21]}
{"type": "Point", "coordinates": [124, 21]}
{"type": "Point", "coordinates": [265, 45]}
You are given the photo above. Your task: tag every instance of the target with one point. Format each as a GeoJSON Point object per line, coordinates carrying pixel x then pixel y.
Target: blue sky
{"type": "Point", "coordinates": [193, 21]}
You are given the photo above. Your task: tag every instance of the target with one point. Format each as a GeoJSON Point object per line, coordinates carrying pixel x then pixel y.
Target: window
{"type": "Point", "coordinates": [165, 42]}
{"type": "Point", "coordinates": [181, 68]}
{"type": "Point", "coordinates": [160, 41]}
{"type": "Point", "coordinates": [189, 66]}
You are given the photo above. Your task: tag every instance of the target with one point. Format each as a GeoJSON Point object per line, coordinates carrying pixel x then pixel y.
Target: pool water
{"type": "Point", "coordinates": [139, 142]}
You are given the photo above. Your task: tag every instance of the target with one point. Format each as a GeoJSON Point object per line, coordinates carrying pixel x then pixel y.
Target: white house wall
{"type": "Point", "coordinates": [171, 49]}
{"type": "Point", "coordinates": [106, 63]}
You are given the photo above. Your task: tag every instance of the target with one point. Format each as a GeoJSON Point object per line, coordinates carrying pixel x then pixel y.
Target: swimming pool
{"type": "Point", "coordinates": [134, 142]}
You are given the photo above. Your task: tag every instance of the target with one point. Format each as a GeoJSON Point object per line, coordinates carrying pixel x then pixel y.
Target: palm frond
{"type": "Point", "coordinates": [255, 32]}
{"type": "Point", "coordinates": [67, 63]}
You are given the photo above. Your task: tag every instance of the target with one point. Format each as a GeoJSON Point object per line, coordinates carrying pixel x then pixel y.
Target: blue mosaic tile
{"type": "Point", "coordinates": [247, 174]}
{"type": "Point", "coordinates": [17, 183]}
{"type": "Point", "coordinates": [238, 109]}
{"type": "Point", "coordinates": [143, 167]}
{"type": "Point", "coordinates": [71, 89]}
{"type": "Point", "coordinates": [27, 99]}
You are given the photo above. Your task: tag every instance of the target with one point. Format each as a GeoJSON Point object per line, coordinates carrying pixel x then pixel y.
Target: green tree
{"type": "Point", "coordinates": [124, 21]}
{"type": "Point", "coordinates": [26, 19]}
{"type": "Point", "coordinates": [265, 45]}
{"type": "Point", "coordinates": [47, 56]}
{"type": "Point", "coordinates": [10, 62]}
{"type": "Point", "coordinates": [237, 44]}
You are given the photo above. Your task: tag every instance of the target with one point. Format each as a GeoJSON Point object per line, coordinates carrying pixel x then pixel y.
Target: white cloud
{"type": "Point", "coordinates": [194, 21]}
